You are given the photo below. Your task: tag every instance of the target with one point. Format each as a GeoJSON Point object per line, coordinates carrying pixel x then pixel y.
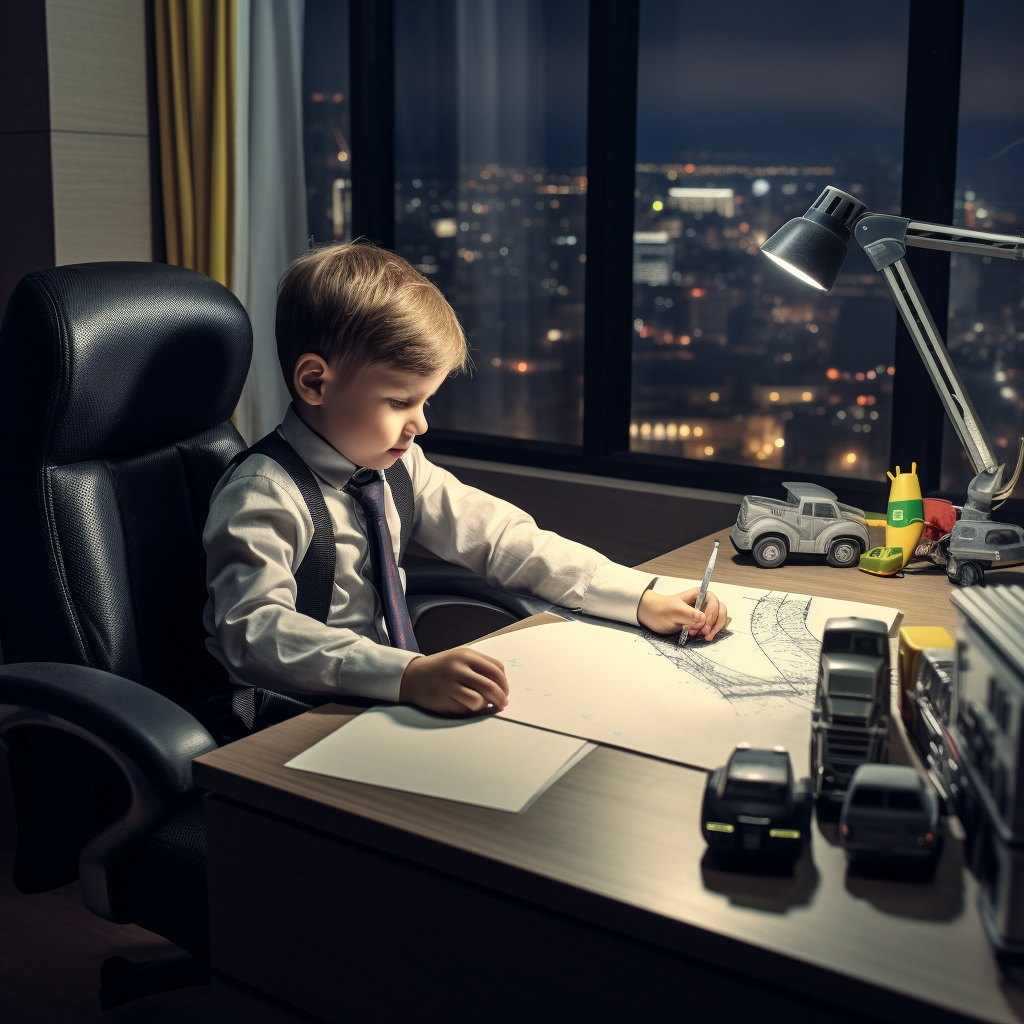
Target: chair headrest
{"type": "Point", "coordinates": [101, 359]}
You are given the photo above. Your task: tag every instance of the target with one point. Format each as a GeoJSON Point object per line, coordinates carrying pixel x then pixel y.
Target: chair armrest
{"type": "Point", "coordinates": [151, 742]}
{"type": "Point", "coordinates": [456, 581]}
{"type": "Point", "coordinates": [160, 737]}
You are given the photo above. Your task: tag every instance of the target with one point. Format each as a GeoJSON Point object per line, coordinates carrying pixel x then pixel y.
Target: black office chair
{"type": "Point", "coordinates": [117, 381]}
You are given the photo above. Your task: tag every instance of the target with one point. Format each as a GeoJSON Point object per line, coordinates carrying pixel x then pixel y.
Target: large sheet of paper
{"type": "Point", "coordinates": [634, 689]}
{"type": "Point", "coordinates": [484, 761]}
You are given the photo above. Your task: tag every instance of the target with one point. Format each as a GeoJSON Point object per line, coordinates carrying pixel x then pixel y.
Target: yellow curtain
{"type": "Point", "coordinates": [195, 63]}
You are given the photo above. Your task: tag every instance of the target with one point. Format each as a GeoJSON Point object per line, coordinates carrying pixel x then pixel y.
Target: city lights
{"type": "Point", "coordinates": [761, 349]}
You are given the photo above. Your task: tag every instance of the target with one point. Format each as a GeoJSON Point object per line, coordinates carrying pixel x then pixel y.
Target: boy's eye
{"type": "Point", "coordinates": [397, 405]}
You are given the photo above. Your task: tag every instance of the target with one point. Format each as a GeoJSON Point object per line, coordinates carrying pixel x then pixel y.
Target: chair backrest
{"type": "Point", "coordinates": [117, 381]}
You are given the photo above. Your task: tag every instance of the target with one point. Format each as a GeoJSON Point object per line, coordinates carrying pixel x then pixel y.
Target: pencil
{"type": "Point", "coordinates": [684, 634]}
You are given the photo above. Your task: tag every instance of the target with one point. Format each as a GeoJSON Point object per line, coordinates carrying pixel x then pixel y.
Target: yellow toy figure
{"type": "Point", "coordinates": [904, 524]}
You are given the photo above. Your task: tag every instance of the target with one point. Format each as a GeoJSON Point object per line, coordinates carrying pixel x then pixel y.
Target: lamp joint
{"type": "Point", "coordinates": [883, 238]}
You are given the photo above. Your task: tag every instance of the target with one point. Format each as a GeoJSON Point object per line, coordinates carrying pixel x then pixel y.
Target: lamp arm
{"type": "Point", "coordinates": [930, 348]}
{"type": "Point", "coordinates": [884, 239]}
{"type": "Point", "coordinates": [923, 235]}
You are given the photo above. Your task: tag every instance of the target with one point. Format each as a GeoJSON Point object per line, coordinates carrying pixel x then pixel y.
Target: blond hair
{"type": "Point", "coordinates": [358, 305]}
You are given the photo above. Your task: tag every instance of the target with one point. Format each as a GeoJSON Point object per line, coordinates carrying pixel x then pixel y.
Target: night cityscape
{"type": "Point", "coordinates": [733, 360]}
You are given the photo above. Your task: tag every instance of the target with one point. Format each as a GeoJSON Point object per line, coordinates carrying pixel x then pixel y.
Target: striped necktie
{"type": "Point", "coordinates": [367, 487]}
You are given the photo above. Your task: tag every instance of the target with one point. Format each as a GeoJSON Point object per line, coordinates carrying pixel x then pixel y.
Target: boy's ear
{"type": "Point", "coordinates": [311, 373]}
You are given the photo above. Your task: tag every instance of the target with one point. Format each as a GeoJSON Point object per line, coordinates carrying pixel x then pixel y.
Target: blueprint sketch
{"type": "Point", "coordinates": [635, 689]}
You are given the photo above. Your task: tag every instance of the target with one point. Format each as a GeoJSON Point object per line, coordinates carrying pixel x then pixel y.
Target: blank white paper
{"type": "Point", "coordinates": [483, 761]}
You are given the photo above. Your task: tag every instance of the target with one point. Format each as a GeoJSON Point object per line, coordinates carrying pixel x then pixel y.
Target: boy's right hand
{"type": "Point", "coordinates": [455, 682]}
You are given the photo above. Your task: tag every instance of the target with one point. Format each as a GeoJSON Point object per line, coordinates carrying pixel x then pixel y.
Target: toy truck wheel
{"type": "Point", "coordinates": [843, 552]}
{"type": "Point", "coordinates": [770, 552]}
{"type": "Point", "coordinates": [967, 574]}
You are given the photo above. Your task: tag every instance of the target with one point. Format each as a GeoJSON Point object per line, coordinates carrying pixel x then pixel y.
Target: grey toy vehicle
{"type": "Point", "coordinates": [754, 807]}
{"type": "Point", "coordinates": [977, 543]}
{"type": "Point", "coordinates": [890, 815]}
{"type": "Point", "coordinates": [850, 720]}
{"type": "Point", "coordinates": [810, 521]}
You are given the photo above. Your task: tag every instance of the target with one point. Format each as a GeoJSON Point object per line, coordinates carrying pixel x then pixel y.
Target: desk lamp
{"type": "Point", "coordinates": [813, 248]}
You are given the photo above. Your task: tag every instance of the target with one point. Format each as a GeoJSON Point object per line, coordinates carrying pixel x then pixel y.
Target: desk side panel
{"type": "Point", "coordinates": [349, 934]}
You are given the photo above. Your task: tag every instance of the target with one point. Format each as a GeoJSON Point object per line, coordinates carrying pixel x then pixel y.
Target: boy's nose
{"type": "Point", "coordinates": [419, 423]}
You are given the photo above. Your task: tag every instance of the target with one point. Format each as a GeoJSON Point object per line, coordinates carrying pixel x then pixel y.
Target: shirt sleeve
{"type": "Point", "coordinates": [504, 545]}
{"type": "Point", "coordinates": [256, 534]}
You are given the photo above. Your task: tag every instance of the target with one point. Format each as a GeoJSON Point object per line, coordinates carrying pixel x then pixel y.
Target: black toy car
{"type": "Point", "coordinates": [890, 815]}
{"type": "Point", "coordinates": [753, 807]}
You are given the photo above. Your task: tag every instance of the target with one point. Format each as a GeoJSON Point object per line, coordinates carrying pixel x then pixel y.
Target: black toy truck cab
{"type": "Point", "coordinates": [850, 721]}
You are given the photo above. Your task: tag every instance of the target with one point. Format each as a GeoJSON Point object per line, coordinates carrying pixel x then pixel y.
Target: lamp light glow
{"type": "Point", "coordinates": [793, 270]}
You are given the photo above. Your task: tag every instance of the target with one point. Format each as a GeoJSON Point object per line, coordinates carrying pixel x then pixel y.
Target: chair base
{"type": "Point", "coordinates": [121, 981]}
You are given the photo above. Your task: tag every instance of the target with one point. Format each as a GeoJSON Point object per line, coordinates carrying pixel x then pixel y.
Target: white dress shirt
{"type": "Point", "coordinates": [259, 529]}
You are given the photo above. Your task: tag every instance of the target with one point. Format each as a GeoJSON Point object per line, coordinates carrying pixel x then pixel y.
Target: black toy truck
{"type": "Point", "coordinates": [850, 721]}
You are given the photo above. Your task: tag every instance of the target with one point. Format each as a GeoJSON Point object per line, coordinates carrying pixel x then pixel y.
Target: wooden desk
{"type": "Point", "coordinates": [921, 593]}
{"type": "Point", "coordinates": [357, 903]}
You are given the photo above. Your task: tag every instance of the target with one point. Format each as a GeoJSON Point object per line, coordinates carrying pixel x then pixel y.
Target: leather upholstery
{"type": "Point", "coordinates": [157, 735]}
{"type": "Point", "coordinates": [164, 881]}
{"type": "Point", "coordinates": [116, 384]}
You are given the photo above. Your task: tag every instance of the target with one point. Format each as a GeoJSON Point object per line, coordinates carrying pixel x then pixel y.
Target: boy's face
{"type": "Point", "coordinates": [370, 416]}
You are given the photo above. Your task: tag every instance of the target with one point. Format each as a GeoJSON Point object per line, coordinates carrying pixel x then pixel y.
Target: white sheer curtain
{"type": "Point", "coordinates": [270, 190]}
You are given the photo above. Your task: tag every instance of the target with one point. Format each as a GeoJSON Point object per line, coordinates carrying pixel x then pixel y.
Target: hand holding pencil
{"type": "Point", "coordinates": [671, 613]}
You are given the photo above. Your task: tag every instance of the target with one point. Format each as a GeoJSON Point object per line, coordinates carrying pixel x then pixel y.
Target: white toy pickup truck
{"type": "Point", "coordinates": [809, 521]}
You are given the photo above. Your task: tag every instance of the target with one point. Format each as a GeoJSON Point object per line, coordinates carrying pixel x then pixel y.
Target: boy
{"type": "Point", "coordinates": [364, 341]}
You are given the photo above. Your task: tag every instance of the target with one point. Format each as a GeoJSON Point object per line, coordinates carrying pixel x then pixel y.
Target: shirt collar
{"type": "Point", "coordinates": [324, 460]}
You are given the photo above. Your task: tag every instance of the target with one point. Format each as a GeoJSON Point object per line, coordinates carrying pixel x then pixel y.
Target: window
{"type": "Point", "coordinates": [746, 111]}
{"type": "Point", "coordinates": [904, 800]}
{"type": "Point", "coordinates": [325, 88]}
{"type": "Point", "coordinates": [767, 791]}
{"type": "Point", "coordinates": [986, 307]}
{"type": "Point", "coordinates": [709, 126]}
{"type": "Point", "coordinates": [491, 200]}
{"type": "Point", "coordinates": [868, 796]}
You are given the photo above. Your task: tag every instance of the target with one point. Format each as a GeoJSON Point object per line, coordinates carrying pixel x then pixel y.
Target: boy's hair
{"type": "Point", "coordinates": [359, 305]}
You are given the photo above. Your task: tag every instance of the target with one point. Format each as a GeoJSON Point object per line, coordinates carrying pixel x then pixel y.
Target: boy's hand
{"type": "Point", "coordinates": [455, 682]}
{"type": "Point", "coordinates": [667, 613]}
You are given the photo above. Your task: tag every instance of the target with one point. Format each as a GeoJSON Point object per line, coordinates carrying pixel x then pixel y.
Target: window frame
{"type": "Point", "coordinates": [929, 172]}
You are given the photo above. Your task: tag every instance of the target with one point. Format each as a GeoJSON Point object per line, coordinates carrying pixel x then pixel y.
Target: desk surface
{"type": "Point", "coordinates": [616, 842]}
{"type": "Point", "coordinates": [921, 592]}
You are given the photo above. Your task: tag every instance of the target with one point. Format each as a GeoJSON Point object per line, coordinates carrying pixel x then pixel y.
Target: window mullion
{"type": "Point", "coordinates": [611, 156]}
{"type": "Point", "coordinates": [929, 175]}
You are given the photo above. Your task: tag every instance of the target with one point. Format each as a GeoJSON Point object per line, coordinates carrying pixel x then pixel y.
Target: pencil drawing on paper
{"type": "Point", "coordinates": [768, 651]}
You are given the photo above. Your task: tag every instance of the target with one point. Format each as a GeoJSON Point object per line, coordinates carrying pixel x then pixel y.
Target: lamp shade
{"type": "Point", "coordinates": [813, 247]}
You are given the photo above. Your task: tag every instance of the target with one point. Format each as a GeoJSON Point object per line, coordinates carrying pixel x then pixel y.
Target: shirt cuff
{"type": "Point", "coordinates": [615, 591]}
{"type": "Point", "coordinates": [374, 671]}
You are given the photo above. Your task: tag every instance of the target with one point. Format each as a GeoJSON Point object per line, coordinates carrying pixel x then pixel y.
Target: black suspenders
{"type": "Point", "coordinates": [314, 578]}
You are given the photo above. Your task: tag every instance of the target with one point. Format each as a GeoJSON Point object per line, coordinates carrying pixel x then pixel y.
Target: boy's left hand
{"type": "Point", "coordinates": [669, 613]}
